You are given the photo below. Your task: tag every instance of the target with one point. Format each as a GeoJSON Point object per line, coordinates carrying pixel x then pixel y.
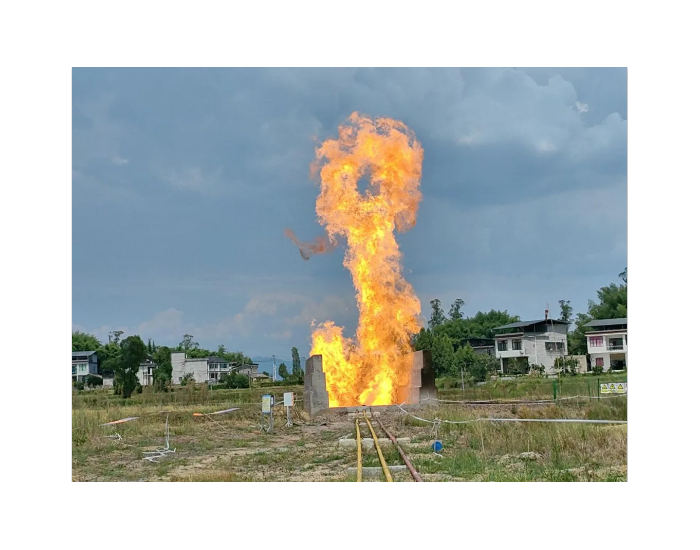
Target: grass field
{"type": "Point", "coordinates": [232, 447]}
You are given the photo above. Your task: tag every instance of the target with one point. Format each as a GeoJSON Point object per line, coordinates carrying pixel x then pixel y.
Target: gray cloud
{"type": "Point", "coordinates": [184, 180]}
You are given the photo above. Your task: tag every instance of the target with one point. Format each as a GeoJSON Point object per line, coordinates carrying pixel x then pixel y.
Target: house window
{"type": "Point", "coordinates": [560, 346]}
{"type": "Point", "coordinates": [596, 341]}
{"type": "Point", "coordinates": [549, 346]}
{"type": "Point", "coordinates": [517, 345]}
{"type": "Point", "coordinates": [598, 361]}
{"type": "Point", "coordinates": [503, 345]}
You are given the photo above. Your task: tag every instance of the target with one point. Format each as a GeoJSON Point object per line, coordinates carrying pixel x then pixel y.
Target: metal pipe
{"type": "Point", "coordinates": [359, 450]}
{"type": "Point", "coordinates": [387, 473]}
{"type": "Point", "coordinates": [414, 472]}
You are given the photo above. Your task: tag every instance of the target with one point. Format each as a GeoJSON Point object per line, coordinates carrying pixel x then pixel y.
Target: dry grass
{"type": "Point", "coordinates": [232, 448]}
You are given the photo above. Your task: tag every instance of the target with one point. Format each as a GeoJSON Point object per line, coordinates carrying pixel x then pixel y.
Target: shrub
{"type": "Point", "coordinates": [537, 370]}
{"type": "Point", "coordinates": [597, 369]}
{"type": "Point", "coordinates": [185, 379]}
{"type": "Point", "coordinates": [93, 381]}
{"type": "Point", "coordinates": [235, 381]}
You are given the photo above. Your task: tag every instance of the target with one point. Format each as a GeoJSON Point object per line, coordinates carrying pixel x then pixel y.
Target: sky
{"type": "Point", "coordinates": [184, 181]}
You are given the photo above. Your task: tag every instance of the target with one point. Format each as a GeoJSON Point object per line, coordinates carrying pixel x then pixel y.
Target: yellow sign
{"type": "Point", "coordinates": [612, 388]}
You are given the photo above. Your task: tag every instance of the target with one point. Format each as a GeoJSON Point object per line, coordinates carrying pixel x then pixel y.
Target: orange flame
{"type": "Point", "coordinates": [369, 370]}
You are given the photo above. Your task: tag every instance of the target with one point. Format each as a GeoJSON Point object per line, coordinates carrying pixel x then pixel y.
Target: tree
{"type": "Point", "coordinates": [114, 336]}
{"type": "Point", "coordinates": [611, 304]}
{"type": "Point", "coordinates": [164, 369]}
{"type": "Point", "coordinates": [566, 311]}
{"type": "Point", "coordinates": [623, 275]}
{"type": "Point", "coordinates": [437, 318]}
{"type": "Point", "coordinates": [85, 342]}
{"type": "Point", "coordinates": [235, 381]}
{"type": "Point", "coordinates": [482, 325]}
{"type": "Point", "coordinates": [188, 342]}
{"type": "Point", "coordinates": [483, 366]}
{"type": "Point", "coordinates": [221, 351]}
{"type": "Point", "coordinates": [455, 312]}
{"type": "Point", "coordinates": [108, 357]}
{"type": "Point", "coordinates": [296, 363]}
{"type": "Point", "coordinates": [576, 343]}
{"type": "Point", "coordinates": [443, 356]}
{"type": "Point", "coordinates": [133, 352]}
{"type": "Point", "coordinates": [423, 340]}
{"type": "Point", "coordinates": [464, 358]}
{"type": "Point", "coordinates": [284, 373]}
{"type": "Point", "coordinates": [92, 381]}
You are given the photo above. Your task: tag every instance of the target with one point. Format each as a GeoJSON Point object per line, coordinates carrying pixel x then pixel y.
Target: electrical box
{"type": "Point", "coordinates": [289, 399]}
{"type": "Point", "coordinates": [267, 402]}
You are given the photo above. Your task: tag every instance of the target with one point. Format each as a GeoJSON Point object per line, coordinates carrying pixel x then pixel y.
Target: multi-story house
{"type": "Point", "coordinates": [84, 363]}
{"type": "Point", "coordinates": [531, 343]}
{"type": "Point", "coordinates": [607, 343]}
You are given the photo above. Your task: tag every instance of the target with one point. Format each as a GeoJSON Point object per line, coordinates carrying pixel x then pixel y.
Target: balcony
{"type": "Point", "coordinates": [616, 347]}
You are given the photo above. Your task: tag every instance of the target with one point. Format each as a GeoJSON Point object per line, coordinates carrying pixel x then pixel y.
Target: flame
{"type": "Point", "coordinates": [368, 370]}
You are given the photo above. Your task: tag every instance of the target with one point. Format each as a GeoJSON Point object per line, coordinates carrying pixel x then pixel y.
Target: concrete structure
{"type": "Point", "coordinates": [84, 363]}
{"type": "Point", "coordinates": [146, 372]}
{"type": "Point", "coordinates": [208, 369]}
{"type": "Point", "coordinates": [315, 394]}
{"type": "Point", "coordinates": [607, 343]}
{"type": "Point", "coordinates": [183, 365]}
{"type": "Point", "coordinates": [217, 368]}
{"type": "Point", "coordinates": [420, 386]}
{"type": "Point", "coordinates": [531, 343]}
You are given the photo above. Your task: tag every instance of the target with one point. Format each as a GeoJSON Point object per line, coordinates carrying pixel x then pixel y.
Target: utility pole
{"type": "Point", "coordinates": [274, 369]}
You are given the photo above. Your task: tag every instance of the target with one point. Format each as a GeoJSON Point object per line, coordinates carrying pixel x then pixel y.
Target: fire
{"type": "Point", "coordinates": [368, 370]}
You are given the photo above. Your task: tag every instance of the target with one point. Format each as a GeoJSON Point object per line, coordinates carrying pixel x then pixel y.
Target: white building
{"type": "Point", "coordinates": [607, 343]}
{"type": "Point", "coordinates": [146, 372]}
{"type": "Point", "coordinates": [84, 364]}
{"type": "Point", "coordinates": [531, 343]}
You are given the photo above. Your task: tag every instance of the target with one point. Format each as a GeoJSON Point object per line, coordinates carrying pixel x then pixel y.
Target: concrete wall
{"type": "Point", "coordinates": [182, 365]}
{"type": "Point", "coordinates": [420, 386]}
{"type": "Point", "coordinates": [606, 337]}
{"type": "Point", "coordinates": [315, 394]}
{"type": "Point", "coordinates": [604, 356]}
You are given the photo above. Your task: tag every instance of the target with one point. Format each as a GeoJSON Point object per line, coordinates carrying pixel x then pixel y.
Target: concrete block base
{"type": "Point", "coordinates": [420, 387]}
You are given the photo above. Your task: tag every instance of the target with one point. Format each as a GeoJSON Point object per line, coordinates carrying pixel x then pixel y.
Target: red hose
{"type": "Point", "coordinates": [414, 472]}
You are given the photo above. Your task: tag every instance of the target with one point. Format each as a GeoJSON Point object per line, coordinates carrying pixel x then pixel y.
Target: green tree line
{"type": "Point", "coordinates": [446, 336]}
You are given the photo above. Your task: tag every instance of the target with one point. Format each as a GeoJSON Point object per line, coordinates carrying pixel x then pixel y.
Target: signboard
{"type": "Point", "coordinates": [614, 387]}
{"type": "Point", "coordinates": [267, 402]}
{"type": "Point", "coordinates": [289, 399]}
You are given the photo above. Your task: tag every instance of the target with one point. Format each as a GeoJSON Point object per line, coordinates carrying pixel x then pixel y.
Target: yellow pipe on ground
{"type": "Point", "coordinates": [359, 450]}
{"type": "Point", "coordinates": [387, 473]}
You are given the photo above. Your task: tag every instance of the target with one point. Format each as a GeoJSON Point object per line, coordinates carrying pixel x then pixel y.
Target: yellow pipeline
{"type": "Point", "coordinates": [387, 473]}
{"type": "Point", "coordinates": [359, 450]}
